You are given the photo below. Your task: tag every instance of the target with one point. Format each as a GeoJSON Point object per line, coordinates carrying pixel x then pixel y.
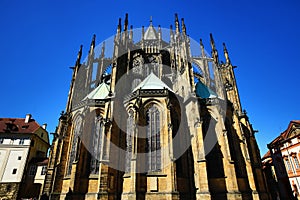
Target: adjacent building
{"type": "Point", "coordinates": [148, 117]}
{"type": "Point", "coordinates": [283, 158]}
{"type": "Point", "coordinates": [22, 142]}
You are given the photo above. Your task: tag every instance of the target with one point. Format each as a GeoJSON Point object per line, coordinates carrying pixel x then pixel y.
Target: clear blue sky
{"type": "Point", "coordinates": [40, 39]}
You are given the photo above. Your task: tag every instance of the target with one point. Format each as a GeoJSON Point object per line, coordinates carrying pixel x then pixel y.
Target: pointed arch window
{"type": "Point", "coordinates": [129, 134]}
{"type": "Point", "coordinates": [74, 147]}
{"type": "Point", "coordinates": [153, 139]}
{"type": "Point", "coordinates": [97, 133]}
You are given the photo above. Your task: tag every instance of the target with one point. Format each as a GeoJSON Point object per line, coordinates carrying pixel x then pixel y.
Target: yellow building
{"type": "Point", "coordinates": [22, 140]}
{"type": "Point", "coordinates": [154, 119]}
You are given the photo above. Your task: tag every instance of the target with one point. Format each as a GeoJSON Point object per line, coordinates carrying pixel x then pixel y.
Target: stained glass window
{"type": "Point", "coordinates": [129, 133]}
{"type": "Point", "coordinates": [153, 139]}
{"type": "Point", "coordinates": [97, 146]}
{"type": "Point", "coordinates": [77, 131]}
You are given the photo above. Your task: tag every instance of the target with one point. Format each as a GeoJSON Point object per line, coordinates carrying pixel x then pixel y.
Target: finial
{"type": "Point", "coordinates": [202, 48]}
{"type": "Point", "coordinates": [214, 50]}
{"type": "Point", "coordinates": [212, 42]}
{"type": "Point", "coordinates": [159, 32]}
{"type": "Point", "coordinates": [131, 33]}
{"type": "Point", "coordinates": [151, 21]}
{"type": "Point", "coordinates": [119, 25]}
{"type": "Point", "coordinates": [226, 54]}
{"type": "Point", "coordinates": [176, 23]}
{"type": "Point", "coordinates": [79, 56]}
{"type": "Point", "coordinates": [183, 26]}
{"type": "Point", "coordinates": [126, 22]}
{"type": "Point", "coordinates": [103, 49]}
{"type": "Point", "coordinates": [143, 32]}
{"type": "Point", "coordinates": [92, 46]}
{"type": "Point", "coordinates": [201, 43]}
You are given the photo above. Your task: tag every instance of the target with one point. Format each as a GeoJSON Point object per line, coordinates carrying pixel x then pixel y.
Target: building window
{"type": "Point", "coordinates": [74, 144]}
{"type": "Point", "coordinates": [42, 134]}
{"type": "Point", "coordinates": [14, 171]}
{"type": "Point", "coordinates": [97, 146]}
{"type": "Point", "coordinates": [44, 170]}
{"type": "Point", "coordinates": [153, 139]}
{"type": "Point", "coordinates": [21, 142]}
{"type": "Point", "coordinates": [288, 165]}
{"type": "Point", "coordinates": [296, 161]}
{"type": "Point", "coordinates": [1, 140]}
{"type": "Point", "coordinates": [32, 170]}
{"type": "Point", "coordinates": [129, 134]}
{"type": "Point", "coordinates": [19, 157]}
{"type": "Point", "coordinates": [32, 143]}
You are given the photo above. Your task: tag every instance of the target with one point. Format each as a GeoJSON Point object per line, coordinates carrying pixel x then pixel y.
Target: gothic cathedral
{"type": "Point", "coordinates": [151, 116]}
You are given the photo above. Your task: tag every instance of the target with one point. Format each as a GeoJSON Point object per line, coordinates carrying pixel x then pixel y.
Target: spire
{"type": "Point", "coordinates": [226, 54]}
{"type": "Point", "coordinates": [151, 21]}
{"type": "Point", "coordinates": [92, 46]}
{"type": "Point", "coordinates": [78, 57]}
{"type": "Point", "coordinates": [143, 32]}
{"type": "Point", "coordinates": [176, 24]}
{"type": "Point", "coordinates": [171, 34]}
{"type": "Point", "coordinates": [131, 33]}
{"type": "Point", "coordinates": [183, 26]}
{"type": "Point", "coordinates": [103, 50]}
{"type": "Point", "coordinates": [126, 22]}
{"type": "Point", "coordinates": [119, 25]}
{"type": "Point", "coordinates": [214, 50]}
{"type": "Point", "coordinates": [159, 32]}
{"type": "Point", "coordinates": [212, 42]}
{"type": "Point", "coordinates": [150, 33]}
{"type": "Point", "coordinates": [202, 48]}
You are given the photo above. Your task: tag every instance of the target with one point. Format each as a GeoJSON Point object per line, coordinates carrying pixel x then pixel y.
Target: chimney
{"type": "Point", "coordinates": [27, 118]}
{"type": "Point", "coordinates": [44, 126]}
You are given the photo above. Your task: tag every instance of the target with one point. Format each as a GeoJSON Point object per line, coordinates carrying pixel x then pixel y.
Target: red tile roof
{"type": "Point", "coordinates": [285, 133]}
{"type": "Point", "coordinates": [267, 155]}
{"type": "Point", "coordinates": [18, 125]}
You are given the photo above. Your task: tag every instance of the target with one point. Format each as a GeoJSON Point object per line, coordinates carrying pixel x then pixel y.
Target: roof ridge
{"type": "Point", "coordinates": [152, 82]}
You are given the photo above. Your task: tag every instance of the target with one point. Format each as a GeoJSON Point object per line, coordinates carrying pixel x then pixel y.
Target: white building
{"type": "Point", "coordinates": [285, 154]}
{"type": "Point", "coordinates": [21, 141]}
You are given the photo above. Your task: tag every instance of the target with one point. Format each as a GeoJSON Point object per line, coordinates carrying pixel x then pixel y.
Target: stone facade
{"type": "Point", "coordinates": [154, 121]}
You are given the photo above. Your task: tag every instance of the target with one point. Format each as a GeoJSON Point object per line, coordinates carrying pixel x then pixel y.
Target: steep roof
{"type": "Point", "coordinates": [152, 82]}
{"type": "Point", "coordinates": [267, 155]}
{"type": "Point", "coordinates": [100, 92]}
{"type": "Point", "coordinates": [18, 125]}
{"type": "Point", "coordinates": [204, 92]}
{"type": "Point", "coordinates": [285, 134]}
{"type": "Point", "coordinates": [150, 33]}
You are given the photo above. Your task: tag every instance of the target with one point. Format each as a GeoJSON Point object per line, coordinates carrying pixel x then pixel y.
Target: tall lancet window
{"type": "Point", "coordinates": [97, 135]}
{"type": "Point", "coordinates": [129, 134]}
{"type": "Point", "coordinates": [75, 140]}
{"type": "Point", "coordinates": [153, 139]}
